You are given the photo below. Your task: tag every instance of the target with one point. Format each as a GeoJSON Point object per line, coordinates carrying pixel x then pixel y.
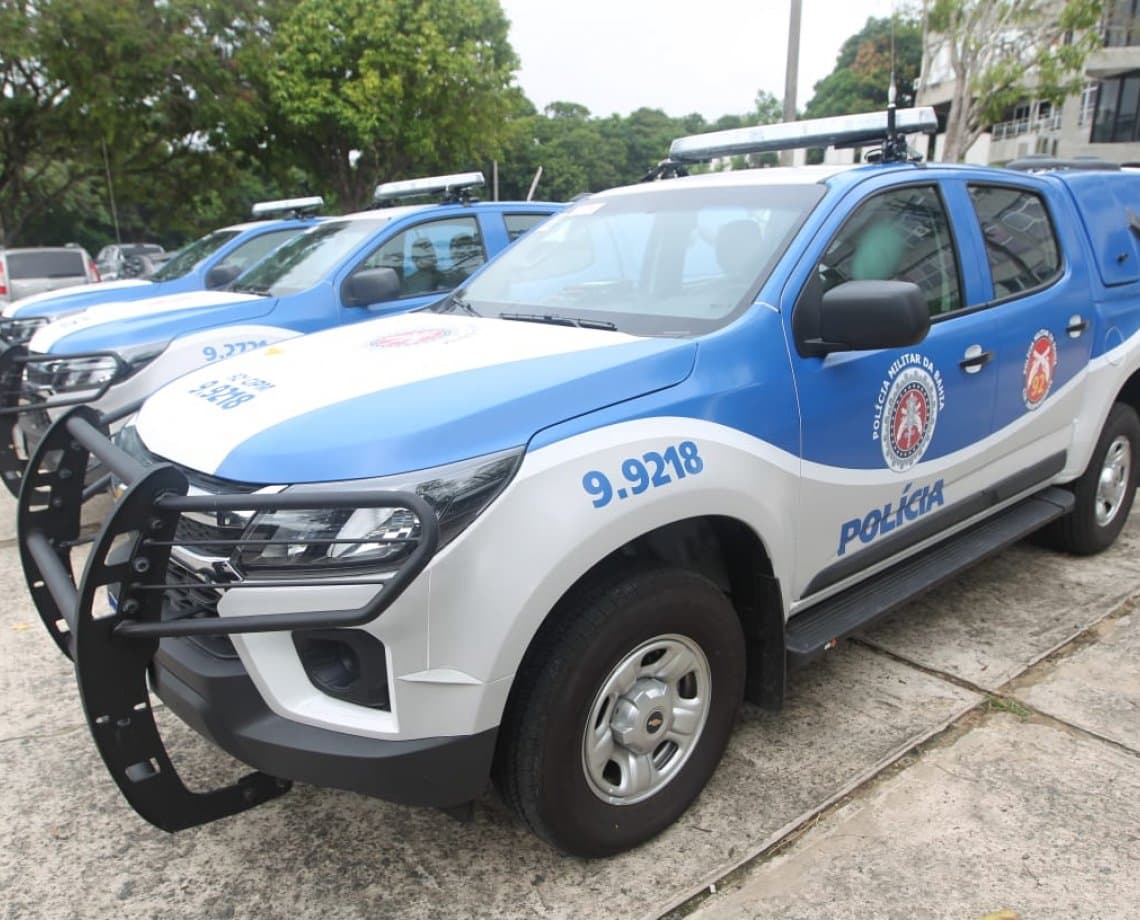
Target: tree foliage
{"type": "Point", "coordinates": [863, 70]}
{"type": "Point", "coordinates": [383, 89]}
{"type": "Point", "coordinates": [999, 51]}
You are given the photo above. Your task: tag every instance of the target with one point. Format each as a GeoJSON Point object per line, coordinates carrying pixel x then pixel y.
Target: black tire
{"type": "Point", "coordinates": [1080, 532]}
{"type": "Point", "coordinates": [540, 767]}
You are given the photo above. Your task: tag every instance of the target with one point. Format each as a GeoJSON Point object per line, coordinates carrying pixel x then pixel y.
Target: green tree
{"type": "Point", "coordinates": [863, 69]}
{"type": "Point", "coordinates": [999, 51]}
{"type": "Point", "coordinates": [150, 92]}
{"type": "Point", "coordinates": [372, 90]}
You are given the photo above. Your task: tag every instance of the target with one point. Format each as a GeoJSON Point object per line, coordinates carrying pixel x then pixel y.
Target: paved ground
{"type": "Point", "coordinates": [977, 752]}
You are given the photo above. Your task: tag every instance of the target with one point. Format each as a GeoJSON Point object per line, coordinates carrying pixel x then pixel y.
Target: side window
{"type": "Point", "coordinates": [1020, 243]}
{"type": "Point", "coordinates": [256, 249]}
{"type": "Point", "coordinates": [436, 256]}
{"type": "Point", "coordinates": [518, 224]}
{"type": "Point", "coordinates": [900, 235]}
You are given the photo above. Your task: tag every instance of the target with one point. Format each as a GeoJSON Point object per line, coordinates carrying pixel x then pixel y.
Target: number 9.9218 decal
{"type": "Point", "coordinates": [652, 469]}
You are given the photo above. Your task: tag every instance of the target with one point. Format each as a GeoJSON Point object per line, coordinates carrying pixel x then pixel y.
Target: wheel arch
{"type": "Point", "coordinates": [729, 553]}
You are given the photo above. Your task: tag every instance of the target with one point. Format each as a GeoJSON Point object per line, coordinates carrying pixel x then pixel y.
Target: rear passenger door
{"type": "Point", "coordinates": [1044, 327]}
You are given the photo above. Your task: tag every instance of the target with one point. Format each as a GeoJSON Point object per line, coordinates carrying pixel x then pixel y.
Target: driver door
{"type": "Point", "coordinates": [889, 437]}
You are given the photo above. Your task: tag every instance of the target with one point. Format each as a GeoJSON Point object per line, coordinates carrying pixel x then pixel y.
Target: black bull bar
{"type": "Point", "coordinates": [16, 399]}
{"type": "Point", "coordinates": [112, 651]}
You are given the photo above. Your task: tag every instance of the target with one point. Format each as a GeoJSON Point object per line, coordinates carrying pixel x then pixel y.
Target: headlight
{"type": "Point", "coordinates": [18, 330]}
{"type": "Point", "coordinates": [89, 372]}
{"type": "Point", "coordinates": [344, 538]}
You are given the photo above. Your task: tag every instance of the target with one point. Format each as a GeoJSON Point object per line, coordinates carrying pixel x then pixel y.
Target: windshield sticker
{"type": "Point", "coordinates": [912, 505]}
{"type": "Point", "coordinates": [906, 410]}
{"type": "Point", "coordinates": [641, 474]}
{"type": "Point", "coordinates": [1040, 363]}
{"type": "Point", "coordinates": [429, 335]}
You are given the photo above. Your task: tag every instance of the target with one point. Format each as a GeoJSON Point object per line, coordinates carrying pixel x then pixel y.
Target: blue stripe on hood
{"type": "Point", "coordinates": [454, 416]}
{"type": "Point", "coordinates": [161, 327]}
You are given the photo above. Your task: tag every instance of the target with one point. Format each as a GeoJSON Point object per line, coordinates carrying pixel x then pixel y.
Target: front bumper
{"type": "Point", "coordinates": [114, 653]}
{"type": "Point", "coordinates": [217, 698]}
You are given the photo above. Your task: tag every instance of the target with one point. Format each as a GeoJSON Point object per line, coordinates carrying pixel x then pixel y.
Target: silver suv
{"type": "Point", "coordinates": [24, 272]}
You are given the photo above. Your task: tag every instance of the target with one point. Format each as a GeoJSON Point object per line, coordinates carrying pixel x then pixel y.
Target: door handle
{"type": "Point", "coordinates": [975, 359]}
{"type": "Point", "coordinates": [1077, 325]}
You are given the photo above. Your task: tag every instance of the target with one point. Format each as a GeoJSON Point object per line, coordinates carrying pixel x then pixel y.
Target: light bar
{"type": "Point", "coordinates": [292, 205]}
{"type": "Point", "coordinates": [840, 131]}
{"type": "Point", "coordinates": [408, 188]}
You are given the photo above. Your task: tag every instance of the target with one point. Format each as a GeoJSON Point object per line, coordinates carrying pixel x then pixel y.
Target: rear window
{"type": "Point", "coordinates": [1020, 243]}
{"type": "Point", "coordinates": [66, 263]}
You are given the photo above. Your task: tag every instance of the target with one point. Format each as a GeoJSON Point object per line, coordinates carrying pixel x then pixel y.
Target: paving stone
{"type": "Point", "coordinates": [1097, 687]}
{"type": "Point", "coordinates": [1022, 816]}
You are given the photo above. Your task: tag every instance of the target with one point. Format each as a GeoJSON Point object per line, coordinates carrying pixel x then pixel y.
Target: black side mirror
{"type": "Point", "coordinates": [862, 315]}
{"type": "Point", "coordinates": [221, 275]}
{"type": "Point", "coordinates": [369, 286]}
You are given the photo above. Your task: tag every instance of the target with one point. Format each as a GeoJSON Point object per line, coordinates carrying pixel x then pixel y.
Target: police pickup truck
{"type": "Point", "coordinates": [210, 262]}
{"type": "Point", "coordinates": [339, 271]}
{"type": "Point", "coordinates": [554, 529]}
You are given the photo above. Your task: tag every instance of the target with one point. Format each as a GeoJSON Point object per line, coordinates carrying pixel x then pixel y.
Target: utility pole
{"type": "Point", "coordinates": [791, 75]}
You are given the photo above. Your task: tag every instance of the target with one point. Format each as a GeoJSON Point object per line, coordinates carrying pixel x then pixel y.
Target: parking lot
{"type": "Point", "coordinates": [978, 751]}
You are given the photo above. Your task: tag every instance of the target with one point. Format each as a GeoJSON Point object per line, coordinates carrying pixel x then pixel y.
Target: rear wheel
{"type": "Point", "coordinates": [622, 710]}
{"type": "Point", "coordinates": [1105, 491]}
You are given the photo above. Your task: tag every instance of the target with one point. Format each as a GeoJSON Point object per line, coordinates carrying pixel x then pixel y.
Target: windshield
{"type": "Point", "coordinates": [188, 256]}
{"type": "Point", "coordinates": [303, 261]}
{"type": "Point", "coordinates": [668, 260]}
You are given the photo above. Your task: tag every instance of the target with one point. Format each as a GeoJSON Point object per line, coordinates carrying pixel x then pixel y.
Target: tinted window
{"type": "Point", "coordinates": [46, 264]}
{"type": "Point", "coordinates": [244, 255]}
{"type": "Point", "coordinates": [303, 261]}
{"type": "Point", "coordinates": [186, 258]}
{"type": "Point", "coordinates": [1020, 243]}
{"type": "Point", "coordinates": [518, 224]}
{"type": "Point", "coordinates": [901, 235]}
{"type": "Point", "coordinates": [436, 256]}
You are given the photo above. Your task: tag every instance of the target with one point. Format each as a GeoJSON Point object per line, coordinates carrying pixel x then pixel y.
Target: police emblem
{"type": "Point", "coordinates": [909, 415]}
{"type": "Point", "coordinates": [425, 335]}
{"type": "Point", "coordinates": [1040, 363]}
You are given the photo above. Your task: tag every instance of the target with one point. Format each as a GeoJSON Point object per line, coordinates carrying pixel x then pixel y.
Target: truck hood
{"type": "Point", "coordinates": [154, 319]}
{"type": "Point", "coordinates": [69, 298]}
{"type": "Point", "coordinates": [397, 394]}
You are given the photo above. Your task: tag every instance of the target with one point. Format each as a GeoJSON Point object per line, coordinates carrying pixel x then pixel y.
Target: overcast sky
{"type": "Point", "coordinates": [708, 56]}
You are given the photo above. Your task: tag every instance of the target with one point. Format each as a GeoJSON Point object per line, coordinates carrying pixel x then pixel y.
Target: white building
{"type": "Point", "coordinates": [1104, 120]}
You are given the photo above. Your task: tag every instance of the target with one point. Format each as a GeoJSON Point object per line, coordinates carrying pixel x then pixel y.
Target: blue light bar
{"type": "Point", "coordinates": [840, 131]}
{"type": "Point", "coordinates": [409, 188]}
{"type": "Point", "coordinates": [288, 205]}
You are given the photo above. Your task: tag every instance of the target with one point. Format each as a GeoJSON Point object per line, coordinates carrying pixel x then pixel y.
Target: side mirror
{"type": "Point", "coordinates": [369, 286]}
{"type": "Point", "coordinates": [221, 275]}
{"type": "Point", "coordinates": [863, 315]}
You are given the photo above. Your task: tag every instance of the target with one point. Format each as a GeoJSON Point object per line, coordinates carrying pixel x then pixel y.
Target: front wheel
{"type": "Point", "coordinates": [1105, 490]}
{"type": "Point", "coordinates": [622, 710]}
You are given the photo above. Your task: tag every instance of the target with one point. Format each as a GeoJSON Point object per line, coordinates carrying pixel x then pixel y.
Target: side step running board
{"type": "Point", "coordinates": [817, 629]}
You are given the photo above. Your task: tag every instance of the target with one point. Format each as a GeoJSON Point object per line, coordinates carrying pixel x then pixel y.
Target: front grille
{"type": "Point", "coordinates": [196, 534]}
{"type": "Point", "coordinates": [194, 598]}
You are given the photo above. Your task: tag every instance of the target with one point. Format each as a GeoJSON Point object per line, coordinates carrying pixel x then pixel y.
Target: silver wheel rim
{"type": "Point", "coordinates": [646, 720]}
{"type": "Point", "coordinates": [1113, 483]}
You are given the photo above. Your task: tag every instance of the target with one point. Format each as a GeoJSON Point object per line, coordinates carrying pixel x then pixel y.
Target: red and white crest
{"type": "Point", "coordinates": [1040, 363]}
{"type": "Point", "coordinates": [425, 336]}
{"type": "Point", "coordinates": [908, 419]}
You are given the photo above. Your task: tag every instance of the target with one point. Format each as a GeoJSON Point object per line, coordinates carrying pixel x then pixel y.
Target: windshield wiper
{"type": "Point", "coordinates": [262, 290]}
{"type": "Point", "coordinates": [554, 319]}
{"type": "Point", "coordinates": [451, 303]}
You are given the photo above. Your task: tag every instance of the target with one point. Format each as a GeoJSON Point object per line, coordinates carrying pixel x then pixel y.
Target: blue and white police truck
{"type": "Point", "coordinates": [208, 263]}
{"type": "Point", "coordinates": [553, 530]}
{"type": "Point", "coordinates": [341, 270]}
